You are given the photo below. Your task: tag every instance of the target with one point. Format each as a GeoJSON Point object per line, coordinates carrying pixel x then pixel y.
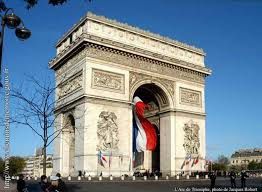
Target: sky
{"type": "Point", "coordinates": [229, 31]}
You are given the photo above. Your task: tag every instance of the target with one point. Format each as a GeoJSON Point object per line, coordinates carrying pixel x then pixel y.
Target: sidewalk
{"type": "Point", "coordinates": [11, 189]}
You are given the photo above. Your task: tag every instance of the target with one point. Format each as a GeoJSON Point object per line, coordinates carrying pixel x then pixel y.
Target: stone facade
{"type": "Point", "coordinates": [100, 66]}
{"type": "Point", "coordinates": [245, 156]}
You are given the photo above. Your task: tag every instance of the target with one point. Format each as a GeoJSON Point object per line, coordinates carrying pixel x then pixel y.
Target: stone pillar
{"type": "Point", "coordinates": [58, 146]}
{"type": "Point", "coordinates": [148, 160]}
{"type": "Point", "coordinates": [165, 143]}
{"type": "Point", "coordinates": [65, 154]}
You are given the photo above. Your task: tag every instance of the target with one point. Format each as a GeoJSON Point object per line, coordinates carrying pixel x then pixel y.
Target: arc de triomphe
{"type": "Point", "coordinates": [100, 66]}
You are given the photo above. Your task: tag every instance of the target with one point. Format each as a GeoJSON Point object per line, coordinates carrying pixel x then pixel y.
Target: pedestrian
{"type": "Point", "coordinates": [212, 176]}
{"type": "Point", "coordinates": [59, 175]}
{"type": "Point", "coordinates": [232, 176]}
{"type": "Point", "coordinates": [243, 178]}
{"type": "Point", "coordinates": [61, 184]}
{"type": "Point", "coordinates": [44, 184]}
{"type": "Point", "coordinates": [54, 184]}
{"type": "Point", "coordinates": [21, 186]}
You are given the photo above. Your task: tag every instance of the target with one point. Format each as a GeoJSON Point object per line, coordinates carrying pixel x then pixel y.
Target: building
{"type": "Point", "coordinates": [245, 156]}
{"type": "Point", "coordinates": [100, 66]}
{"type": "Point", "coordinates": [34, 165]}
{"type": "Point", "coordinates": [29, 166]}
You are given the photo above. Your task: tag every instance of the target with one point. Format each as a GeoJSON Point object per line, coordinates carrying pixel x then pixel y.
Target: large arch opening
{"type": "Point", "coordinates": [157, 100]}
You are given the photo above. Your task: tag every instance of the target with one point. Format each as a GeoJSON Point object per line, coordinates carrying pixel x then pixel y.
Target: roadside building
{"type": "Point", "coordinates": [34, 165]}
{"type": "Point", "coordinates": [245, 156]}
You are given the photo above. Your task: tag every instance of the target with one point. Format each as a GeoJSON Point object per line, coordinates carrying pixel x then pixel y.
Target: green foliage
{"type": "Point", "coordinates": [223, 160]}
{"type": "Point", "coordinates": [16, 165]}
{"type": "Point", "coordinates": [219, 167]}
{"type": "Point", "coordinates": [221, 164]}
{"type": "Point", "coordinates": [236, 168]}
{"type": "Point", "coordinates": [32, 3]}
{"type": "Point", "coordinates": [254, 165]}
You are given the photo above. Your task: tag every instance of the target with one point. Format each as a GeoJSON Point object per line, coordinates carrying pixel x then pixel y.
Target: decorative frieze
{"type": "Point", "coordinates": [71, 63]}
{"type": "Point", "coordinates": [108, 81]}
{"type": "Point", "coordinates": [191, 138]}
{"type": "Point", "coordinates": [157, 45]}
{"type": "Point", "coordinates": [136, 61]}
{"type": "Point", "coordinates": [69, 86]}
{"type": "Point", "coordinates": [107, 131]}
{"type": "Point", "coordinates": [190, 97]}
{"type": "Point", "coordinates": [138, 30]}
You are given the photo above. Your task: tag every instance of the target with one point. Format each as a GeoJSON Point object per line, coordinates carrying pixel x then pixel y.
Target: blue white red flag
{"type": "Point", "coordinates": [188, 159]}
{"type": "Point", "coordinates": [101, 158]}
{"type": "Point", "coordinates": [145, 136]}
{"type": "Point", "coordinates": [195, 161]}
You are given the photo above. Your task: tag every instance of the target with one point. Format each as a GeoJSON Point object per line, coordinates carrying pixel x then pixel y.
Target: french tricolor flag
{"type": "Point", "coordinates": [101, 158]}
{"type": "Point", "coordinates": [145, 137]}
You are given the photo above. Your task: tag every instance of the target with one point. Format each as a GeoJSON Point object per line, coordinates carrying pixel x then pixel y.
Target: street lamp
{"type": "Point", "coordinates": [12, 21]}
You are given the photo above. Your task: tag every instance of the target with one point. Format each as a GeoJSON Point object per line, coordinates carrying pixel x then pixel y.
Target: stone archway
{"type": "Point", "coordinates": [100, 65]}
{"type": "Point", "coordinates": [69, 144]}
{"type": "Point", "coordinates": [158, 102]}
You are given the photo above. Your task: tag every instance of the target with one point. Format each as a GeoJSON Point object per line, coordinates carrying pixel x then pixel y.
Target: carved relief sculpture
{"type": "Point", "coordinates": [69, 86]}
{"type": "Point", "coordinates": [107, 132]}
{"type": "Point", "coordinates": [108, 80]}
{"type": "Point", "coordinates": [191, 138]}
{"type": "Point", "coordinates": [190, 97]}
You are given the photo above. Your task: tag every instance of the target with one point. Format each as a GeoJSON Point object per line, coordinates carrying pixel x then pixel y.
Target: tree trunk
{"type": "Point", "coordinates": [45, 143]}
{"type": "Point", "coordinates": [44, 160]}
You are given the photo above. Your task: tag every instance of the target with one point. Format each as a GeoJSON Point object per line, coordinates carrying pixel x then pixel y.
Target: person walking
{"type": "Point", "coordinates": [61, 184]}
{"type": "Point", "coordinates": [232, 176]}
{"type": "Point", "coordinates": [21, 186]}
{"type": "Point", "coordinates": [212, 176]}
{"type": "Point", "coordinates": [54, 184]}
{"type": "Point", "coordinates": [243, 178]}
{"type": "Point", "coordinates": [44, 184]}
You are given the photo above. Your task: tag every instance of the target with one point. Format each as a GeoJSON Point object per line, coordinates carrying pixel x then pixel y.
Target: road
{"type": "Point", "coordinates": [222, 184]}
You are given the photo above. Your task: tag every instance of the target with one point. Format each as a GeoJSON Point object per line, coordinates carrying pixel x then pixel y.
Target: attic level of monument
{"type": "Point", "coordinates": [127, 27]}
{"type": "Point", "coordinates": [113, 34]}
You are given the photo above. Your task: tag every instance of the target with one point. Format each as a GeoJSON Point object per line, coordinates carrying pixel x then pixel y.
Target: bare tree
{"type": "Point", "coordinates": [36, 110]}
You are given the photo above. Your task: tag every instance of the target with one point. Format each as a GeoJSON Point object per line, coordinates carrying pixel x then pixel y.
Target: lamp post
{"type": "Point", "coordinates": [12, 21]}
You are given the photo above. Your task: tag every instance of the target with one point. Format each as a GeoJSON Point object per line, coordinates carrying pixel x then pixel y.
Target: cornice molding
{"type": "Point", "coordinates": [136, 61]}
